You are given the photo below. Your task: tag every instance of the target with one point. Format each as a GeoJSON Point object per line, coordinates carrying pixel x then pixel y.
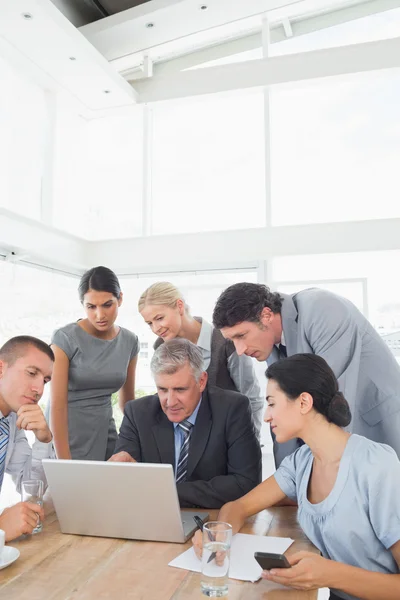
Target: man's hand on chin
{"type": "Point", "coordinates": [31, 418]}
{"type": "Point", "coordinates": [121, 457]}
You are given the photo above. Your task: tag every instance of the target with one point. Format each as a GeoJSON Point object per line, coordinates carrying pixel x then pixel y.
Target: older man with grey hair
{"type": "Point", "coordinates": [205, 433]}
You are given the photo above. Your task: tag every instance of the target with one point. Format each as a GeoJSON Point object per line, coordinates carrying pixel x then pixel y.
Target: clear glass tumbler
{"type": "Point", "coordinates": [32, 491]}
{"type": "Point", "coordinates": [217, 537]}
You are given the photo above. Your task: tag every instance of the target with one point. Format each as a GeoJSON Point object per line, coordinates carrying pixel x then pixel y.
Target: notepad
{"type": "Point", "coordinates": [243, 564]}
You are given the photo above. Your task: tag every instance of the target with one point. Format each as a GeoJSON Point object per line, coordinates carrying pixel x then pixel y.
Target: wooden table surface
{"type": "Point", "coordinates": [53, 566]}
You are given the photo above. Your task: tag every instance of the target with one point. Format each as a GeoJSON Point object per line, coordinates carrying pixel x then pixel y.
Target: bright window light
{"type": "Point", "coordinates": [22, 137]}
{"type": "Point", "coordinates": [208, 163]}
{"type": "Point", "coordinates": [377, 268]}
{"type": "Point", "coordinates": [381, 26]}
{"type": "Point", "coordinates": [99, 175]}
{"type": "Point", "coordinates": [335, 150]}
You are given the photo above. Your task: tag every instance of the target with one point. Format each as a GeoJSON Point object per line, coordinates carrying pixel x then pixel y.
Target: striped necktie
{"type": "Point", "coordinates": [4, 437]}
{"type": "Point", "coordinates": [282, 351]}
{"type": "Point", "coordinates": [181, 468]}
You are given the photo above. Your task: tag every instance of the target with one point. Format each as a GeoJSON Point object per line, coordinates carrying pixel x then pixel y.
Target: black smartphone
{"type": "Point", "coordinates": [268, 560]}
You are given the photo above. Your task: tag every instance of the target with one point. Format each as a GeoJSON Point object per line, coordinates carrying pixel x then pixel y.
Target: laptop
{"type": "Point", "coordinates": [136, 501]}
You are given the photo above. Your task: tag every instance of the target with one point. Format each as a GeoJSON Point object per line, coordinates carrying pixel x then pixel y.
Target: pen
{"type": "Point", "coordinates": [200, 525]}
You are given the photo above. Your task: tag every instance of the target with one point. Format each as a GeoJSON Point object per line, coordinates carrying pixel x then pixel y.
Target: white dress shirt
{"type": "Point", "coordinates": [241, 371]}
{"type": "Point", "coordinates": [22, 461]}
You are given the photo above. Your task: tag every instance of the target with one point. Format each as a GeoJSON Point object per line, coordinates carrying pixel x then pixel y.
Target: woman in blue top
{"type": "Point", "coordinates": [347, 488]}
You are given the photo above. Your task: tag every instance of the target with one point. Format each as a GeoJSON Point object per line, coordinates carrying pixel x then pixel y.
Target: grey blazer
{"type": "Point", "coordinates": [224, 455]}
{"type": "Point", "coordinates": [323, 323]}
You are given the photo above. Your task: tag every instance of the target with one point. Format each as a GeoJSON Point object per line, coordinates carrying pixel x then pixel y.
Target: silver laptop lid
{"type": "Point", "coordinates": [123, 500]}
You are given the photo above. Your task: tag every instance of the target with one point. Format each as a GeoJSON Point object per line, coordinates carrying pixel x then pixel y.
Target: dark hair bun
{"type": "Point", "coordinates": [339, 410]}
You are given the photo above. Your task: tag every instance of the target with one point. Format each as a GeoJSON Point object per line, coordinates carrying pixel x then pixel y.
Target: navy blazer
{"type": "Point", "coordinates": [224, 460]}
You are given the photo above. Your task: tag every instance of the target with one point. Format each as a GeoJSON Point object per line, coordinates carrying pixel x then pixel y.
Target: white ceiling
{"type": "Point", "coordinates": [40, 41]}
{"type": "Point", "coordinates": [179, 27]}
{"type": "Point", "coordinates": [85, 63]}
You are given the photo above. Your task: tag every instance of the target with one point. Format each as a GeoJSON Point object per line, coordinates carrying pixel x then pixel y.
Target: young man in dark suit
{"type": "Point", "coordinates": [206, 434]}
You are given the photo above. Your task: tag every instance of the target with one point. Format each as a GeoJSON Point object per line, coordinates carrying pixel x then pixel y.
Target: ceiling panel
{"type": "Point", "coordinates": [115, 6]}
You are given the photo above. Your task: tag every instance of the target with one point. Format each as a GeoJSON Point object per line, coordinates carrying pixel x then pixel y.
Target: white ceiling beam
{"type": "Point", "coordinates": [34, 241]}
{"type": "Point", "coordinates": [215, 52]}
{"type": "Point", "coordinates": [159, 22]}
{"type": "Point", "coordinates": [304, 26]}
{"type": "Point", "coordinates": [299, 27]}
{"type": "Point", "coordinates": [253, 74]}
{"type": "Point", "coordinates": [158, 253]}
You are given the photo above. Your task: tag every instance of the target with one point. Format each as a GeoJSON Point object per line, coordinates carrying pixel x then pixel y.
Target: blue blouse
{"type": "Point", "coordinates": [359, 520]}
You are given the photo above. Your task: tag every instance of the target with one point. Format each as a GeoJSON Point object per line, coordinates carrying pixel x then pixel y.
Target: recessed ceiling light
{"type": "Point", "coordinates": [107, 91]}
{"type": "Point", "coordinates": [72, 58]}
{"type": "Point", "coordinates": [149, 25]}
{"type": "Point", "coordinates": [27, 16]}
{"type": "Point", "coordinates": [203, 7]}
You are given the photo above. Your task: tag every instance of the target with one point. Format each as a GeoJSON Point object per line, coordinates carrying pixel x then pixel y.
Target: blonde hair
{"type": "Point", "coordinates": [162, 292]}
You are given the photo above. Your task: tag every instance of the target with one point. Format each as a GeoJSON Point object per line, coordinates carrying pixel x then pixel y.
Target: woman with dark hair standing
{"type": "Point", "coordinates": [347, 488]}
{"type": "Point", "coordinates": [94, 359]}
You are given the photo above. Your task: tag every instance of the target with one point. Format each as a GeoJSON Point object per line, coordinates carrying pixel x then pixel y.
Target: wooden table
{"type": "Point", "coordinates": [53, 566]}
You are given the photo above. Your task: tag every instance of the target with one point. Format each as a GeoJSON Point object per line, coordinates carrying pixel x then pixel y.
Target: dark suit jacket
{"type": "Point", "coordinates": [224, 455]}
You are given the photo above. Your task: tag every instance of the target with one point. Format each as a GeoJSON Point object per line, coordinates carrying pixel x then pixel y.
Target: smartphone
{"type": "Point", "coordinates": [268, 560]}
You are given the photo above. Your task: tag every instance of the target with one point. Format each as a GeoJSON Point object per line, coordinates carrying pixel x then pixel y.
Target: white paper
{"type": "Point", "coordinates": [243, 564]}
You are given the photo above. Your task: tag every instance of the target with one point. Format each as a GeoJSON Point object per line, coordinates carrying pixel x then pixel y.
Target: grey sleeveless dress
{"type": "Point", "coordinates": [97, 369]}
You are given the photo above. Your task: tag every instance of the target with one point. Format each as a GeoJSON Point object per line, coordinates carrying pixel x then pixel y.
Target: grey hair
{"type": "Point", "coordinates": [175, 354]}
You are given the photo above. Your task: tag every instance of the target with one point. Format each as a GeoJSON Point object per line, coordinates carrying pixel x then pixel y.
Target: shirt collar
{"type": "Point", "coordinates": [282, 342]}
{"type": "Point", "coordinates": [204, 340]}
{"type": "Point", "coordinates": [193, 416]}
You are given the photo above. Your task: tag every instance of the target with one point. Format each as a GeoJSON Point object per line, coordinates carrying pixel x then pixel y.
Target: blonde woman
{"type": "Point", "coordinates": [164, 309]}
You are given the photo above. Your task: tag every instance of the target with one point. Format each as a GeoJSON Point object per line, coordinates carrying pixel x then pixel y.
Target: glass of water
{"type": "Point", "coordinates": [32, 491]}
{"type": "Point", "coordinates": [217, 537]}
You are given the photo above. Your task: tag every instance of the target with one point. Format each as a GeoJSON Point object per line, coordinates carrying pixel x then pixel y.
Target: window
{"type": "Point", "coordinates": [99, 175]}
{"type": "Point", "coordinates": [208, 163]}
{"type": "Point", "coordinates": [378, 269]}
{"type": "Point", "coordinates": [34, 302]}
{"type": "Point", "coordinates": [334, 150]}
{"type": "Point", "coordinates": [254, 54]}
{"type": "Point", "coordinates": [355, 290]}
{"type": "Point", "coordinates": [381, 26]}
{"type": "Point", "coordinates": [22, 125]}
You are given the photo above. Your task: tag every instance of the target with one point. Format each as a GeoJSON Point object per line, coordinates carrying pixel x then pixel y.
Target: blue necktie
{"type": "Point", "coordinates": [282, 351]}
{"type": "Point", "coordinates": [4, 437]}
{"type": "Point", "coordinates": [181, 468]}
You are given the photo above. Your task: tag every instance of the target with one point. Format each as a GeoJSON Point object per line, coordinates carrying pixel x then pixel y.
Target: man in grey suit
{"type": "Point", "coordinates": [206, 434]}
{"type": "Point", "coordinates": [268, 326]}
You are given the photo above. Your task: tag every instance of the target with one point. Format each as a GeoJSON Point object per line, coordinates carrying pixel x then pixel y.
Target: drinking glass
{"type": "Point", "coordinates": [32, 491]}
{"type": "Point", "coordinates": [215, 560]}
